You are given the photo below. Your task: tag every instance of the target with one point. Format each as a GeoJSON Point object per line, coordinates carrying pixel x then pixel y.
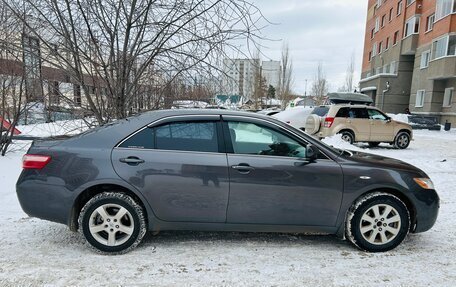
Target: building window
{"type": "Point", "coordinates": [444, 8]}
{"type": "Point", "coordinates": [393, 67]}
{"type": "Point", "coordinates": [379, 3]}
{"type": "Point", "coordinates": [383, 20]}
{"type": "Point", "coordinates": [399, 7]}
{"type": "Point", "coordinates": [425, 58]}
{"type": "Point", "coordinates": [419, 103]}
{"type": "Point", "coordinates": [390, 18]}
{"type": "Point", "coordinates": [378, 70]}
{"type": "Point", "coordinates": [377, 24]}
{"type": "Point", "coordinates": [448, 97]}
{"type": "Point", "coordinates": [430, 23]}
{"type": "Point", "coordinates": [385, 68]}
{"type": "Point", "coordinates": [387, 43]}
{"type": "Point", "coordinates": [374, 49]}
{"type": "Point", "coordinates": [372, 33]}
{"type": "Point", "coordinates": [445, 46]}
{"type": "Point", "coordinates": [412, 26]}
{"type": "Point", "coordinates": [77, 95]}
{"type": "Point", "coordinates": [396, 35]}
{"type": "Point", "coordinates": [410, 2]}
{"type": "Point", "coordinates": [380, 48]}
{"type": "Point", "coordinates": [370, 56]}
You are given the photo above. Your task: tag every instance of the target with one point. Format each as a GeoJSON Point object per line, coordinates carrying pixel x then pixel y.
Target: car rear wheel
{"type": "Point", "coordinates": [378, 222]}
{"type": "Point", "coordinates": [347, 136]}
{"type": "Point", "coordinates": [112, 222]}
{"type": "Point", "coordinates": [402, 140]}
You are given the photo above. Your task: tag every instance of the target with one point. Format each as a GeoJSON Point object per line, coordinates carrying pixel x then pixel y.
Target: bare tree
{"type": "Point", "coordinates": [319, 85]}
{"type": "Point", "coordinates": [349, 74]}
{"type": "Point", "coordinates": [112, 50]}
{"type": "Point", "coordinates": [286, 76]}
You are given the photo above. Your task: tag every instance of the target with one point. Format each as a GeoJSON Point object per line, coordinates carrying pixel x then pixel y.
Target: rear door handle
{"type": "Point", "coordinates": [243, 168]}
{"type": "Point", "coordinates": [131, 160]}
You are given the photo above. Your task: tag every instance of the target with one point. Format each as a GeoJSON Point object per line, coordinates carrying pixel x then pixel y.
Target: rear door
{"type": "Point", "coordinates": [270, 183]}
{"type": "Point", "coordinates": [358, 121]}
{"type": "Point", "coordinates": [178, 167]}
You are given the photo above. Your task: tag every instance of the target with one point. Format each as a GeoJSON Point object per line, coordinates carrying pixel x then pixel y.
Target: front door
{"type": "Point", "coordinates": [177, 166]}
{"type": "Point", "coordinates": [382, 129]}
{"type": "Point", "coordinates": [270, 183]}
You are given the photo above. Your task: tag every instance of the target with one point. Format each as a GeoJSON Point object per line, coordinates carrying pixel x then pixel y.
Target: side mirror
{"type": "Point", "coordinates": [388, 119]}
{"type": "Point", "coordinates": [311, 153]}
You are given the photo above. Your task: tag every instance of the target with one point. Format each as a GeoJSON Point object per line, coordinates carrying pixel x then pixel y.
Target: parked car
{"type": "Point", "coordinates": [419, 122]}
{"type": "Point", "coordinates": [295, 117]}
{"type": "Point", "coordinates": [358, 123]}
{"type": "Point", "coordinates": [220, 170]}
{"type": "Point", "coordinates": [269, 111]}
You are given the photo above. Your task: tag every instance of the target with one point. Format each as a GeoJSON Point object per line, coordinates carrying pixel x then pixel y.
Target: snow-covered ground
{"type": "Point", "coordinates": [35, 252]}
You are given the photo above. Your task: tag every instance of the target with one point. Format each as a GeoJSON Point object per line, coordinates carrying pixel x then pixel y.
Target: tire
{"type": "Point", "coordinates": [312, 124]}
{"type": "Point", "coordinates": [347, 136]}
{"type": "Point", "coordinates": [105, 229]}
{"type": "Point", "coordinates": [377, 222]}
{"type": "Point", "coordinates": [402, 140]}
{"type": "Point", "coordinates": [373, 144]}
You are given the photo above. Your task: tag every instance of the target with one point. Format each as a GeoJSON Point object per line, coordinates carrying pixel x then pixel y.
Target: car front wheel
{"type": "Point", "coordinates": [402, 140]}
{"type": "Point", "coordinates": [112, 222]}
{"type": "Point", "coordinates": [378, 222]}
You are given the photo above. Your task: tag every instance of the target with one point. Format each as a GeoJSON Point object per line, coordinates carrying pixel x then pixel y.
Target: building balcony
{"type": "Point", "coordinates": [442, 68]}
{"type": "Point", "coordinates": [409, 45]}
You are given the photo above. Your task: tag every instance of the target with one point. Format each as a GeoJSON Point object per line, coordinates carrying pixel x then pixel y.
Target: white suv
{"type": "Point", "coordinates": [358, 123]}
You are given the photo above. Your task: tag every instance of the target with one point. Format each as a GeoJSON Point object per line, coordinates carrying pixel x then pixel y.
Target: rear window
{"type": "Point", "coordinates": [320, 111]}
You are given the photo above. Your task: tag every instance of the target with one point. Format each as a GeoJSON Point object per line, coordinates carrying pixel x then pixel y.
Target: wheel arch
{"type": "Point", "coordinates": [85, 195]}
{"type": "Point", "coordinates": [408, 203]}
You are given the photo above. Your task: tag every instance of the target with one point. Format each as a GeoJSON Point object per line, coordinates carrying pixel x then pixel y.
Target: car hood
{"type": "Point", "coordinates": [377, 161]}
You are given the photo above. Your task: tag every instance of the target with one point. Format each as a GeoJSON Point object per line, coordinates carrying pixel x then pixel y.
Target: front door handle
{"type": "Point", "coordinates": [243, 168]}
{"type": "Point", "coordinates": [131, 160]}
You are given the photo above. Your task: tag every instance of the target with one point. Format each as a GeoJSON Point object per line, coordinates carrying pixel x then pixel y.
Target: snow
{"type": "Point", "coordinates": [35, 252]}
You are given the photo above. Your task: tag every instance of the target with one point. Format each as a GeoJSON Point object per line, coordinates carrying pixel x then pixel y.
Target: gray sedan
{"type": "Point", "coordinates": [220, 170]}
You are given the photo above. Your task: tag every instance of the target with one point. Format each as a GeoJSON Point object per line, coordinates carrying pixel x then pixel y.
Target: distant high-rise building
{"type": "Point", "coordinates": [410, 56]}
{"type": "Point", "coordinates": [239, 76]}
{"type": "Point", "coordinates": [270, 70]}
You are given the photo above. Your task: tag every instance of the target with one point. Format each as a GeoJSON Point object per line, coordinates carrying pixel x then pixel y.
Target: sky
{"type": "Point", "coordinates": [327, 31]}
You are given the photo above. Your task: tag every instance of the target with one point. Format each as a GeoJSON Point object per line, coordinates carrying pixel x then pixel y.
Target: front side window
{"type": "Point", "coordinates": [253, 139]}
{"type": "Point", "coordinates": [187, 136]}
{"type": "Point", "coordinates": [358, 113]}
{"type": "Point", "coordinates": [376, 115]}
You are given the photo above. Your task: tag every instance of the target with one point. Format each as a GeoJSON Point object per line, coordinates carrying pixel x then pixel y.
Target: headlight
{"type": "Point", "coordinates": [425, 183]}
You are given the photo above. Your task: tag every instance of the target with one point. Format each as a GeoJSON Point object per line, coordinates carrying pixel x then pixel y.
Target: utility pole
{"type": "Point", "coordinates": [305, 91]}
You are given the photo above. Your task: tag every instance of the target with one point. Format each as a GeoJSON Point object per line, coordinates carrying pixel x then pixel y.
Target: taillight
{"type": "Point", "coordinates": [328, 122]}
{"type": "Point", "coordinates": [35, 161]}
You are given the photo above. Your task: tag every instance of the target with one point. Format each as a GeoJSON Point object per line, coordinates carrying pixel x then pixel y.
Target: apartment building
{"type": "Point", "coordinates": [239, 76]}
{"type": "Point", "coordinates": [409, 58]}
{"type": "Point", "coordinates": [270, 71]}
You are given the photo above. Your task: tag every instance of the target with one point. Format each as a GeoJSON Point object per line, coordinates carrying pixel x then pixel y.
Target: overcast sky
{"type": "Point", "coordinates": [316, 30]}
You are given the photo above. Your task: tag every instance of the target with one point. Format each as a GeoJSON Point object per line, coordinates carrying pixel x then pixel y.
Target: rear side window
{"type": "Point", "coordinates": [320, 111]}
{"type": "Point", "coordinates": [187, 136]}
{"type": "Point", "coordinates": [343, 113]}
{"type": "Point", "coordinates": [144, 139]}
